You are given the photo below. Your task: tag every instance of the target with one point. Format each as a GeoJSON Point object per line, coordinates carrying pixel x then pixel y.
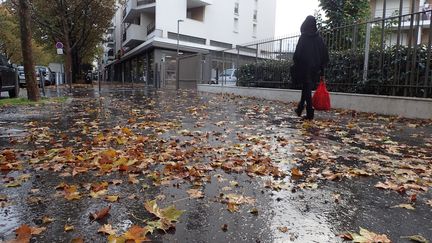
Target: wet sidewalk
{"type": "Point", "coordinates": [235, 169]}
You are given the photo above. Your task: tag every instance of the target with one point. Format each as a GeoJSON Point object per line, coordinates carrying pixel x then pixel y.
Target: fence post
{"type": "Point", "coordinates": [428, 83]}
{"type": "Point", "coordinates": [367, 48]}
{"type": "Point", "coordinates": [280, 49]}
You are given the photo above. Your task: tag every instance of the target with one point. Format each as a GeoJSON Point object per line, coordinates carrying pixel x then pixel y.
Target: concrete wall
{"type": "Point", "coordinates": [385, 105]}
{"type": "Point", "coordinates": [218, 21]}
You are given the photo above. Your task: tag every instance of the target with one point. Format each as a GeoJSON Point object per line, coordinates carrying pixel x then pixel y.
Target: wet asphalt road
{"type": "Point", "coordinates": [309, 214]}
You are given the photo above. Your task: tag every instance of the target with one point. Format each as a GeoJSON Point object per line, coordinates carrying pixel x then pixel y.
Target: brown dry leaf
{"type": "Point", "coordinates": [68, 228]}
{"type": "Point", "coordinates": [429, 202]}
{"type": "Point", "coordinates": [133, 179]}
{"type": "Point", "coordinates": [136, 233]}
{"type": "Point", "coordinates": [406, 206]}
{"type": "Point", "coordinates": [107, 229]}
{"type": "Point", "coordinates": [295, 172]}
{"type": "Point", "coordinates": [71, 192]}
{"type": "Point", "coordinates": [116, 182]}
{"type": "Point", "coordinates": [112, 198]}
{"type": "Point", "coordinates": [283, 229]}
{"type": "Point", "coordinates": [37, 230]}
{"type": "Point", "coordinates": [78, 170]}
{"type": "Point", "coordinates": [365, 236]}
{"type": "Point", "coordinates": [77, 240]}
{"type": "Point", "coordinates": [100, 214]}
{"type": "Point", "coordinates": [23, 233]}
{"type": "Point", "coordinates": [47, 220]}
{"type": "Point", "coordinates": [195, 193]}
{"type": "Point", "coordinates": [416, 238]}
{"type": "Point", "coordinates": [232, 207]}
{"type": "Point", "coordinates": [98, 193]}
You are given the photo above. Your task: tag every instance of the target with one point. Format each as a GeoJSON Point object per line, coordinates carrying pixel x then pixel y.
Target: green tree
{"type": "Point", "coordinates": [10, 43]}
{"type": "Point", "coordinates": [344, 12]}
{"type": "Point", "coordinates": [79, 24]}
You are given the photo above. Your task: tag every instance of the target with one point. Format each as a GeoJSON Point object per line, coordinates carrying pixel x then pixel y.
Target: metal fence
{"type": "Point", "coordinates": [385, 56]}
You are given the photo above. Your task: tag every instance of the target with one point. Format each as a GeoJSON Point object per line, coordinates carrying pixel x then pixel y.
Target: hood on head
{"type": "Point", "coordinates": [309, 25]}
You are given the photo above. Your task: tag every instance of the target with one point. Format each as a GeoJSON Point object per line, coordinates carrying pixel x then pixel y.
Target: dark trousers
{"type": "Point", "coordinates": [306, 97]}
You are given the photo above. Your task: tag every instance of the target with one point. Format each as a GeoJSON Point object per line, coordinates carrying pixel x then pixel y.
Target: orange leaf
{"type": "Point", "coordinates": [23, 233]}
{"type": "Point", "coordinates": [136, 233]}
{"type": "Point", "coordinates": [100, 214]}
{"type": "Point", "coordinates": [295, 172]}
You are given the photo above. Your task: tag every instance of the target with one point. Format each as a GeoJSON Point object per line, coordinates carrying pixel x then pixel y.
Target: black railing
{"type": "Point", "coordinates": [388, 56]}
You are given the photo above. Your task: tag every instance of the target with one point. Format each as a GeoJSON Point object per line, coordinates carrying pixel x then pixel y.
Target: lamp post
{"type": "Point", "coordinates": [178, 53]}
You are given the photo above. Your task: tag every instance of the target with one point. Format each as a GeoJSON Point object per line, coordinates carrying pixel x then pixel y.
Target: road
{"type": "Point", "coordinates": [241, 169]}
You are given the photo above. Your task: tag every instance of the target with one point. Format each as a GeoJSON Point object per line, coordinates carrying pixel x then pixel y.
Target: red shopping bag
{"type": "Point", "coordinates": [321, 98]}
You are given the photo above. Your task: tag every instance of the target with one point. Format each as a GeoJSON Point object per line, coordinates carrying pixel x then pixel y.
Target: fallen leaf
{"type": "Point", "coordinates": [295, 172]}
{"type": "Point", "coordinates": [416, 238]}
{"type": "Point", "coordinates": [254, 211]}
{"type": "Point", "coordinates": [195, 193]}
{"type": "Point", "coordinates": [100, 214]}
{"type": "Point", "coordinates": [116, 239]}
{"type": "Point", "coordinates": [107, 229]}
{"type": "Point", "coordinates": [68, 228]}
{"type": "Point", "coordinates": [98, 193]}
{"type": "Point", "coordinates": [37, 230]}
{"type": "Point", "coordinates": [112, 198]}
{"type": "Point", "coordinates": [406, 206]}
{"type": "Point", "coordinates": [224, 227]}
{"type": "Point", "coordinates": [283, 229]}
{"type": "Point", "coordinates": [47, 220]}
{"type": "Point", "coordinates": [365, 236]}
{"type": "Point", "coordinates": [71, 192]}
{"type": "Point", "coordinates": [136, 233]}
{"type": "Point", "coordinates": [23, 233]}
{"type": "Point", "coordinates": [77, 240]}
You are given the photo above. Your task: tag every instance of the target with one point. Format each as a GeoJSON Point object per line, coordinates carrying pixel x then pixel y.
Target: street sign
{"type": "Point", "coordinates": [59, 51]}
{"type": "Point", "coordinates": [59, 45]}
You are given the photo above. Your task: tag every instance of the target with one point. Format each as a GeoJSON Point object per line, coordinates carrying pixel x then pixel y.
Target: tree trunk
{"type": "Point", "coordinates": [68, 64]}
{"type": "Point", "coordinates": [76, 71]}
{"type": "Point", "coordinates": [27, 52]}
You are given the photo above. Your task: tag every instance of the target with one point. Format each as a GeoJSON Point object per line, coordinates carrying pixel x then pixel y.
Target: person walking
{"type": "Point", "coordinates": [310, 58]}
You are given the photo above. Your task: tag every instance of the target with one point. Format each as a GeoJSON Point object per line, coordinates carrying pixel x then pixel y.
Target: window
{"type": "Point", "coordinates": [196, 13]}
{"type": "Point", "coordinates": [236, 25]}
{"type": "Point", "coordinates": [220, 44]}
{"type": "Point", "coordinates": [187, 38]}
{"type": "Point", "coordinates": [255, 15]}
{"type": "Point", "coordinates": [254, 31]}
{"type": "Point", "coordinates": [236, 8]}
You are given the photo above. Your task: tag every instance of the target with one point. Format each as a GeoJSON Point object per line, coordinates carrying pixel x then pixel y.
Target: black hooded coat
{"type": "Point", "coordinates": [311, 54]}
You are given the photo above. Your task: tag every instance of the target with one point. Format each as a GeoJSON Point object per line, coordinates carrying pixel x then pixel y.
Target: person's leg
{"type": "Point", "coordinates": [300, 105]}
{"type": "Point", "coordinates": [308, 99]}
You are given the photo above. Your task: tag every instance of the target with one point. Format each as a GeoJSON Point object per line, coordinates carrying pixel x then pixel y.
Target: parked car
{"type": "Point", "coordinates": [8, 78]}
{"type": "Point", "coordinates": [46, 73]}
{"type": "Point", "coordinates": [228, 77]}
{"type": "Point", "coordinates": [21, 75]}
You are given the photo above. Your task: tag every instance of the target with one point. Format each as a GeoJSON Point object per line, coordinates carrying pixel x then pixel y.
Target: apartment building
{"type": "Point", "coordinates": [142, 43]}
{"type": "Point", "coordinates": [420, 20]}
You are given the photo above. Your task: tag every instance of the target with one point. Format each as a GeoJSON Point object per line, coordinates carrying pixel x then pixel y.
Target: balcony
{"type": "Point", "coordinates": [111, 54]}
{"type": "Point", "coordinates": [134, 35]}
{"type": "Point", "coordinates": [198, 3]}
{"type": "Point", "coordinates": [134, 8]}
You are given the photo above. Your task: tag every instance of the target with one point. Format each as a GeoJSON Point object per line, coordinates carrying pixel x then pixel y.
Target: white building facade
{"type": "Point", "coordinates": [419, 11]}
{"type": "Point", "coordinates": [142, 44]}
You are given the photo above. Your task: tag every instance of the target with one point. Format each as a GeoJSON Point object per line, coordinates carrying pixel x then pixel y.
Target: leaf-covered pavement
{"type": "Point", "coordinates": [164, 166]}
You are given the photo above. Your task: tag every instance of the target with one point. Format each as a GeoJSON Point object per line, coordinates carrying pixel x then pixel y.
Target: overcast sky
{"type": "Point", "coordinates": [290, 14]}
